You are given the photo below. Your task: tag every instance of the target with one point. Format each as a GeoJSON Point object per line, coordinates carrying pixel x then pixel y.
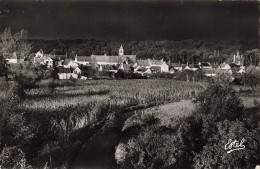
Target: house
{"type": "Point", "coordinates": [177, 66]}
{"type": "Point", "coordinates": [163, 67]}
{"type": "Point", "coordinates": [12, 58]}
{"type": "Point", "coordinates": [107, 60]}
{"type": "Point", "coordinates": [58, 59]}
{"type": "Point", "coordinates": [225, 66]}
{"type": "Point", "coordinates": [39, 57]}
{"type": "Point", "coordinates": [172, 70]}
{"type": "Point", "coordinates": [160, 63]}
{"type": "Point", "coordinates": [83, 60]}
{"type": "Point", "coordinates": [143, 63]}
{"type": "Point", "coordinates": [205, 65]}
{"type": "Point", "coordinates": [69, 63]}
{"type": "Point", "coordinates": [242, 70]}
{"type": "Point", "coordinates": [77, 71]}
{"type": "Point", "coordinates": [67, 73]}
{"type": "Point", "coordinates": [109, 68]}
{"type": "Point", "coordinates": [48, 62]}
{"type": "Point", "coordinates": [39, 54]}
{"type": "Point", "coordinates": [143, 71]}
{"type": "Point", "coordinates": [155, 69]}
{"type": "Point", "coordinates": [192, 67]}
{"type": "Point", "coordinates": [114, 60]}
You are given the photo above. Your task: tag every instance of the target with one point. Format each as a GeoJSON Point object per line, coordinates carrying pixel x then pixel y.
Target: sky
{"type": "Point", "coordinates": [132, 19]}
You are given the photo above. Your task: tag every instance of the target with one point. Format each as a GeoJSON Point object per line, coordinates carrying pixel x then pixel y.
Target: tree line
{"type": "Point", "coordinates": [184, 51]}
{"type": "Point", "coordinates": [191, 51]}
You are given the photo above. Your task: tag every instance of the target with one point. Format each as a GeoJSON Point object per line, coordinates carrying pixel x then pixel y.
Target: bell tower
{"type": "Point", "coordinates": [121, 51]}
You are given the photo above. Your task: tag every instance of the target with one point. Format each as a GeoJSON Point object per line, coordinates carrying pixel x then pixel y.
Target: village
{"type": "Point", "coordinates": [74, 68]}
{"type": "Point", "coordinates": [134, 84]}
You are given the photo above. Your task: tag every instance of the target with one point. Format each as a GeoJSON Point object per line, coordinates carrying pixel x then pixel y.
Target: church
{"type": "Point", "coordinates": [114, 60]}
{"type": "Point", "coordinates": [238, 59]}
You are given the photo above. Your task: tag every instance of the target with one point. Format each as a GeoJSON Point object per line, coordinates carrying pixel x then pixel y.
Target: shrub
{"type": "Point", "coordinates": [12, 157]}
{"type": "Point", "coordinates": [220, 102]}
{"type": "Point", "coordinates": [249, 80]}
{"type": "Point", "coordinates": [26, 76]}
{"type": "Point", "coordinates": [151, 149]}
{"type": "Point", "coordinates": [214, 155]}
{"type": "Point", "coordinates": [157, 146]}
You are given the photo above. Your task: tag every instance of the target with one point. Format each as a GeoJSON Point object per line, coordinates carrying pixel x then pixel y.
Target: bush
{"type": "Point", "coordinates": [214, 155]}
{"type": "Point", "coordinates": [220, 102]}
{"type": "Point", "coordinates": [249, 80]}
{"type": "Point", "coordinates": [221, 115]}
{"type": "Point", "coordinates": [151, 149]}
{"type": "Point", "coordinates": [26, 76]}
{"type": "Point", "coordinates": [12, 157]}
{"type": "Point", "coordinates": [195, 141]}
{"type": "Point", "coordinates": [156, 146]}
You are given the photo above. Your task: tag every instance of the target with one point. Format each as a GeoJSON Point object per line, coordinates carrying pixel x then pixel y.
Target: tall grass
{"type": "Point", "coordinates": [72, 106]}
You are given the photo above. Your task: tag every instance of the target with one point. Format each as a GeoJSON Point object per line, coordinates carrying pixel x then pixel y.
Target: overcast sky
{"type": "Point", "coordinates": [132, 20]}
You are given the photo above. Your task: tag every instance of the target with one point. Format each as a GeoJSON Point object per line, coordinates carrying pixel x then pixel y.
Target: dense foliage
{"type": "Point", "coordinates": [196, 141]}
{"type": "Point", "coordinates": [47, 123]}
{"type": "Point", "coordinates": [17, 42]}
{"type": "Point", "coordinates": [174, 51]}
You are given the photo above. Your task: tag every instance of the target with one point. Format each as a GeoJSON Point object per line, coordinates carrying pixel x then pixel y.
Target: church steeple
{"type": "Point", "coordinates": [121, 51]}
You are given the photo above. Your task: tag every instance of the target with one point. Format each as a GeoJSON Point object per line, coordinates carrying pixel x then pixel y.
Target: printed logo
{"type": "Point", "coordinates": [234, 145]}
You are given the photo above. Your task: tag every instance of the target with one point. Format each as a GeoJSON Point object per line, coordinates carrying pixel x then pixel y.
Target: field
{"type": "Point", "coordinates": [63, 115]}
{"type": "Point", "coordinates": [74, 124]}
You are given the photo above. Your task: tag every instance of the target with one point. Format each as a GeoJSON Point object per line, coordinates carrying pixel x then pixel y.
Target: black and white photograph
{"type": "Point", "coordinates": [129, 84]}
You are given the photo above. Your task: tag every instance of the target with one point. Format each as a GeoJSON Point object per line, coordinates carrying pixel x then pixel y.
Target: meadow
{"type": "Point", "coordinates": [62, 115]}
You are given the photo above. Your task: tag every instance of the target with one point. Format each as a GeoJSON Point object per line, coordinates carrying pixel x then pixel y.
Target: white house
{"type": "Point", "coordinates": [143, 70]}
{"type": "Point", "coordinates": [177, 66]}
{"type": "Point", "coordinates": [44, 59]}
{"type": "Point", "coordinates": [69, 63]}
{"type": "Point", "coordinates": [242, 70]}
{"type": "Point", "coordinates": [48, 62]}
{"type": "Point", "coordinates": [67, 73]}
{"type": "Point", "coordinates": [192, 67]}
{"type": "Point", "coordinates": [77, 71]}
{"type": "Point", "coordinates": [160, 63]}
{"type": "Point", "coordinates": [113, 60]}
{"type": "Point", "coordinates": [83, 60]}
{"type": "Point", "coordinates": [39, 54]}
{"type": "Point", "coordinates": [225, 66]}
{"type": "Point", "coordinates": [149, 63]}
